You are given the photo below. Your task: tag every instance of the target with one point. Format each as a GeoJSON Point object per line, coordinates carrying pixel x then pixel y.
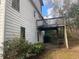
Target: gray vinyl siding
{"type": "Point", "coordinates": [24, 18]}
{"type": "Point", "coordinates": [13, 21]}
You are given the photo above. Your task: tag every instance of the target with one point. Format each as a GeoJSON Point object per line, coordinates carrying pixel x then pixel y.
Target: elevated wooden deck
{"type": "Point", "coordinates": [53, 24]}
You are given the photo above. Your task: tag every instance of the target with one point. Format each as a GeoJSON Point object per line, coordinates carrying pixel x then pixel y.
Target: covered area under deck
{"type": "Point", "coordinates": [53, 24]}
{"type": "Point", "coordinates": [55, 33]}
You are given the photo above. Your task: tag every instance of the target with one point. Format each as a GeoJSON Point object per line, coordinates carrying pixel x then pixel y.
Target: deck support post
{"type": "Point", "coordinates": [38, 36]}
{"type": "Point", "coordinates": [65, 36]}
{"type": "Point", "coordinates": [57, 32]}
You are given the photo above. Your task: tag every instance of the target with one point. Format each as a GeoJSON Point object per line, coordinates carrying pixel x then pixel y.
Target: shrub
{"type": "Point", "coordinates": [16, 49]}
{"type": "Point", "coordinates": [21, 49]}
{"type": "Point", "coordinates": [38, 48]}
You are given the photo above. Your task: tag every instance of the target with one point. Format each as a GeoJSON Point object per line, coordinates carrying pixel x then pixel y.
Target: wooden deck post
{"type": "Point", "coordinates": [65, 36]}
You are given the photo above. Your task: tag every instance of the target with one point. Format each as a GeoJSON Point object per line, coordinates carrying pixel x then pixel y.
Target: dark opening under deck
{"type": "Point", "coordinates": [49, 27]}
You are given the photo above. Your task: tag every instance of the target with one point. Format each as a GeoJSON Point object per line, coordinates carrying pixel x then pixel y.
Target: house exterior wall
{"type": "Point", "coordinates": [24, 18]}
{"type": "Point", "coordinates": [41, 33]}
{"type": "Point", "coordinates": [38, 4]}
{"type": "Point", "coordinates": [2, 17]}
{"type": "Point", "coordinates": [41, 36]}
{"type": "Point", "coordinates": [39, 7]}
{"type": "Point", "coordinates": [11, 22]}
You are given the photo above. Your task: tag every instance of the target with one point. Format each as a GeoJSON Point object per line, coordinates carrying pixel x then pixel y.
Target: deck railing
{"type": "Point", "coordinates": [50, 22]}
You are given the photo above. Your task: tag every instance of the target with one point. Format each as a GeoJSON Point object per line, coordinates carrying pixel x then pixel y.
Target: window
{"type": "Point", "coordinates": [23, 32]}
{"type": "Point", "coordinates": [16, 4]}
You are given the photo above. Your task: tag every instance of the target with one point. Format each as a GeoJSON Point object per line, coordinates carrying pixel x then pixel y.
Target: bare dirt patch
{"type": "Point", "coordinates": [61, 54]}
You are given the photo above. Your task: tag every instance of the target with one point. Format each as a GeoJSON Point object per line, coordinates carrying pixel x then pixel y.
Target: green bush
{"type": "Point", "coordinates": [21, 49]}
{"type": "Point", "coordinates": [38, 48]}
{"type": "Point", "coordinates": [16, 49]}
